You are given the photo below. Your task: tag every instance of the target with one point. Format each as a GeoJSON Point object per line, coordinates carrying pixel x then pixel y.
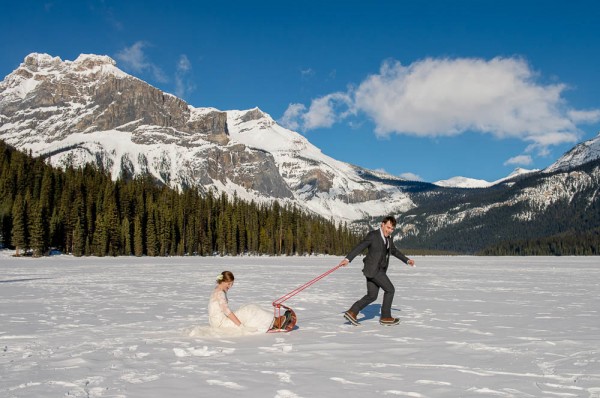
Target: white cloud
{"type": "Point", "coordinates": [134, 59]}
{"type": "Point", "coordinates": [441, 97]}
{"type": "Point", "coordinates": [183, 85]}
{"type": "Point", "coordinates": [184, 65]}
{"type": "Point", "coordinates": [291, 116]}
{"type": "Point", "coordinates": [521, 160]}
{"type": "Point", "coordinates": [585, 116]}
{"type": "Point", "coordinates": [323, 112]}
{"type": "Point", "coordinates": [307, 73]}
{"type": "Point", "coordinates": [407, 176]}
{"type": "Point", "coordinates": [411, 177]}
{"type": "Point", "coordinates": [445, 97]}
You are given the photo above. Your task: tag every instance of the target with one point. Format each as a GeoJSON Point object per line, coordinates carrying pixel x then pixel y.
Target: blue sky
{"type": "Point", "coordinates": [427, 90]}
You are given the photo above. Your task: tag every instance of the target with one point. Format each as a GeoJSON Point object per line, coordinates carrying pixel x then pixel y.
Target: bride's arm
{"type": "Point", "coordinates": [234, 319]}
{"type": "Point", "coordinates": [225, 308]}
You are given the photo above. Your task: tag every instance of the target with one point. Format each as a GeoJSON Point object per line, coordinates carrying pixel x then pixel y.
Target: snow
{"type": "Point", "coordinates": [471, 327]}
{"type": "Point", "coordinates": [466, 182]}
{"type": "Point", "coordinates": [463, 182]}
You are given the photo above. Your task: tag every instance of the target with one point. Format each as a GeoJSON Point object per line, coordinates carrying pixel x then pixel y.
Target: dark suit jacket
{"type": "Point", "coordinates": [378, 256]}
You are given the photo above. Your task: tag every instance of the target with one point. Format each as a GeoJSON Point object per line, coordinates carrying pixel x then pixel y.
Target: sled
{"type": "Point", "coordinates": [280, 311]}
{"type": "Point", "coordinates": [277, 304]}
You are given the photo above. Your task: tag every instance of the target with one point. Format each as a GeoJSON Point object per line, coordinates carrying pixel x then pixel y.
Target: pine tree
{"type": "Point", "coordinates": [38, 231]}
{"type": "Point", "coordinates": [79, 239]}
{"type": "Point", "coordinates": [19, 225]}
{"type": "Point", "coordinates": [138, 237]}
{"type": "Point", "coordinates": [126, 238]}
{"type": "Point", "coordinates": [111, 220]}
{"type": "Point", "coordinates": [100, 237]}
{"type": "Point", "coordinates": [152, 244]}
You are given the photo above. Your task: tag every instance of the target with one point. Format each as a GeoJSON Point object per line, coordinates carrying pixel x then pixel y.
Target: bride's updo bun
{"type": "Point", "coordinates": [225, 276]}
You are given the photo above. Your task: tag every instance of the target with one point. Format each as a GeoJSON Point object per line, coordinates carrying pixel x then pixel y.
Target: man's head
{"type": "Point", "coordinates": [390, 219]}
{"type": "Point", "coordinates": [387, 225]}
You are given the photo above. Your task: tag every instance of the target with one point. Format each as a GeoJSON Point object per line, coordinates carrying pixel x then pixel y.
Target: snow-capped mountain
{"type": "Point", "coordinates": [526, 206]}
{"type": "Point", "coordinates": [89, 111]}
{"type": "Point", "coordinates": [582, 153]}
{"type": "Point", "coordinates": [465, 182]}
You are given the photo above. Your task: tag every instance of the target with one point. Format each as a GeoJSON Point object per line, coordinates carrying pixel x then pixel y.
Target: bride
{"type": "Point", "coordinates": [250, 318]}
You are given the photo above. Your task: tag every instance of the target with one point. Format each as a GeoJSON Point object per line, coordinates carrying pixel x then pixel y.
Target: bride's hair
{"type": "Point", "coordinates": [225, 276]}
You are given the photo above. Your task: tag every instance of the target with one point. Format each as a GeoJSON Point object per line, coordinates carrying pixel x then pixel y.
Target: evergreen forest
{"type": "Point", "coordinates": [566, 244]}
{"type": "Point", "coordinates": [83, 212]}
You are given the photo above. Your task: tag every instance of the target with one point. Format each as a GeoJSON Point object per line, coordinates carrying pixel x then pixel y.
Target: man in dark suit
{"type": "Point", "coordinates": [380, 246]}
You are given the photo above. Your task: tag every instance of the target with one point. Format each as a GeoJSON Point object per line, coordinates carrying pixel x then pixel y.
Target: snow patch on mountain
{"type": "Point", "coordinates": [463, 182]}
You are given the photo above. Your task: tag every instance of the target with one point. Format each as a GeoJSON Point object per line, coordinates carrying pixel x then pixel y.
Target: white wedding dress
{"type": "Point", "coordinates": [255, 320]}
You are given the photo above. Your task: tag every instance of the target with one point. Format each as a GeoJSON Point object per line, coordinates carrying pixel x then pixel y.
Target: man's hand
{"type": "Point", "coordinates": [344, 262]}
{"type": "Point", "coordinates": [411, 262]}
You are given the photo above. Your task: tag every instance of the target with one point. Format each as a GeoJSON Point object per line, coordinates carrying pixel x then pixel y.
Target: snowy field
{"type": "Point", "coordinates": [471, 327]}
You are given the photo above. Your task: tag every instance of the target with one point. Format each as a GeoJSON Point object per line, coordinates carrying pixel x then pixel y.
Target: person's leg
{"type": "Point", "coordinates": [382, 281]}
{"type": "Point", "coordinates": [372, 292]}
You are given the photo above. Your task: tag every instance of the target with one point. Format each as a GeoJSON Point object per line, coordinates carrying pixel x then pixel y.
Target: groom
{"type": "Point", "coordinates": [380, 246]}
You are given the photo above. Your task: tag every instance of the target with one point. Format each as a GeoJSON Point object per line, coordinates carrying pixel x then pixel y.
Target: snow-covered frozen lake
{"type": "Point", "coordinates": [471, 327]}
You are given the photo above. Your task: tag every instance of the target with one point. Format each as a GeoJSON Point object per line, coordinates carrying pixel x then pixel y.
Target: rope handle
{"type": "Point", "coordinates": [285, 297]}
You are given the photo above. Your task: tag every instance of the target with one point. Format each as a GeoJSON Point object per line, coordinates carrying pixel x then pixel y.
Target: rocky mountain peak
{"type": "Point", "coordinates": [92, 94]}
{"type": "Point", "coordinates": [90, 61]}
{"type": "Point", "coordinates": [252, 114]}
{"type": "Point", "coordinates": [37, 61]}
{"type": "Point", "coordinates": [44, 64]}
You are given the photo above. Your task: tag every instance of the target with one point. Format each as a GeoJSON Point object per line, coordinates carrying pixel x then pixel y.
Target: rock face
{"type": "Point", "coordinates": [90, 94]}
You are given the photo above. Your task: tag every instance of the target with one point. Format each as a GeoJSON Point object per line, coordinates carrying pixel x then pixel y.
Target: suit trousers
{"type": "Point", "coordinates": [379, 281]}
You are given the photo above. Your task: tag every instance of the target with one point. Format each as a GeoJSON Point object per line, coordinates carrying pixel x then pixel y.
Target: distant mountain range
{"type": "Point", "coordinates": [89, 111]}
{"type": "Point", "coordinates": [466, 182]}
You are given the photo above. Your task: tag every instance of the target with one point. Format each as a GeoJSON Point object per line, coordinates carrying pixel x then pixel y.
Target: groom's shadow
{"type": "Point", "coordinates": [372, 311]}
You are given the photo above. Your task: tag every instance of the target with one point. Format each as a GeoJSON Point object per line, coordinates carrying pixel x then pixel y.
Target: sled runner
{"type": "Point", "coordinates": [291, 317]}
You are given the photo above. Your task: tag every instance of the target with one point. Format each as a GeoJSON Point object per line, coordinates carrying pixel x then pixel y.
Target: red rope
{"type": "Point", "coordinates": [283, 298]}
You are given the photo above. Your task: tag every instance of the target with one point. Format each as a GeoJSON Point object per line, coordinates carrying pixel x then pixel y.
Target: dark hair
{"type": "Point", "coordinates": [387, 219]}
{"type": "Point", "coordinates": [225, 276]}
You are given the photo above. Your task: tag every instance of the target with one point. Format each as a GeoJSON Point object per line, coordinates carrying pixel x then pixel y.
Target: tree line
{"type": "Point", "coordinates": [84, 212]}
{"type": "Point", "coordinates": [566, 244]}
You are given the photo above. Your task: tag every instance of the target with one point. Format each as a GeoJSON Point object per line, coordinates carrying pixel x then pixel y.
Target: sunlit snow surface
{"type": "Point", "coordinates": [471, 327]}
